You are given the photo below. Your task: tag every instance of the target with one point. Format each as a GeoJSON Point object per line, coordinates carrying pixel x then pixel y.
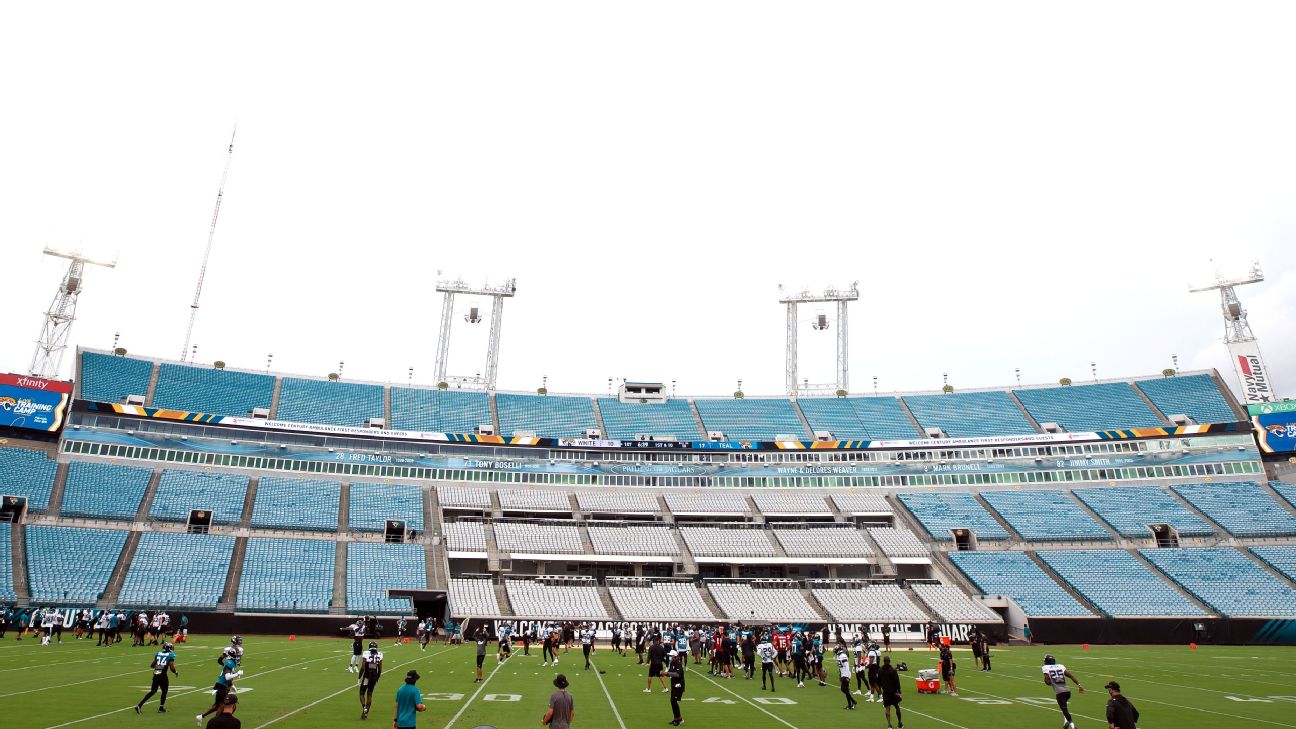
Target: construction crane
{"type": "Point", "coordinates": [62, 312]}
{"type": "Point", "coordinates": [211, 234]}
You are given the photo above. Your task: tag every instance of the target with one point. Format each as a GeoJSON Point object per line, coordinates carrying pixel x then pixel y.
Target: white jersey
{"type": "Point", "coordinates": [587, 637]}
{"type": "Point", "coordinates": [1056, 674]}
{"type": "Point", "coordinates": [373, 661]}
{"type": "Point", "coordinates": [844, 664]}
{"type": "Point", "coordinates": [766, 652]}
{"type": "Point", "coordinates": [873, 657]}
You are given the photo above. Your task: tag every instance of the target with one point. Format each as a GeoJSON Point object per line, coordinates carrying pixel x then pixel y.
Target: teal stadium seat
{"type": "Point", "coordinates": [548, 416]}
{"type": "Point", "coordinates": [71, 565]}
{"type": "Point", "coordinates": [212, 391]}
{"type": "Point", "coordinates": [7, 593]}
{"type": "Point", "coordinates": [181, 491]}
{"type": "Point", "coordinates": [1241, 507]}
{"type": "Point", "coordinates": [178, 570]}
{"type": "Point", "coordinates": [1014, 575]}
{"type": "Point", "coordinates": [1226, 580]}
{"type": "Point", "coordinates": [287, 575]}
{"type": "Point", "coordinates": [858, 418]}
{"type": "Point", "coordinates": [1118, 584]}
{"type": "Point", "coordinates": [109, 378]}
{"type": "Point", "coordinates": [293, 503]}
{"type": "Point", "coordinates": [970, 414]}
{"type": "Point", "coordinates": [439, 411]}
{"type": "Point", "coordinates": [1281, 558]}
{"type": "Point", "coordinates": [1130, 509]}
{"type": "Point", "coordinates": [626, 420]}
{"type": "Point", "coordinates": [372, 504]}
{"type": "Point", "coordinates": [104, 491]}
{"type": "Point", "coordinates": [330, 403]}
{"type": "Point", "coordinates": [1041, 515]}
{"type": "Point", "coordinates": [756, 419]}
{"type": "Point", "coordinates": [1087, 408]}
{"type": "Point", "coordinates": [1196, 396]}
{"type": "Point", "coordinates": [29, 474]}
{"type": "Point", "coordinates": [373, 568]}
{"type": "Point", "coordinates": [942, 511]}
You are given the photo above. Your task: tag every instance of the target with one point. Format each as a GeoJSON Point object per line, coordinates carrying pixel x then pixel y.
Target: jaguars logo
{"type": "Point", "coordinates": [7, 404]}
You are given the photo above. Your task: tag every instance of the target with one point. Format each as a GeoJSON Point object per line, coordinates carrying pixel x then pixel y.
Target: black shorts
{"type": "Point", "coordinates": [480, 660]}
{"type": "Point", "coordinates": [872, 673]}
{"type": "Point", "coordinates": [1063, 697]}
{"type": "Point", "coordinates": [782, 656]}
{"type": "Point", "coordinates": [946, 671]}
{"type": "Point", "coordinates": [654, 670]}
{"type": "Point", "coordinates": [221, 693]}
{"type": "Point", "coordinates": [367, 684]}
{"type": "Point", "coordinates": [891, 699]}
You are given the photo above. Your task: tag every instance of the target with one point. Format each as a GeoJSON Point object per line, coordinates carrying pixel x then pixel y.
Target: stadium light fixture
{"type": "Point", "coordinates": [829, 295]}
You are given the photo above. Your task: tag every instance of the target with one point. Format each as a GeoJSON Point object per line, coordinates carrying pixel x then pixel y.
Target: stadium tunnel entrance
{"type": "Point", "coordinates": [427, 603]}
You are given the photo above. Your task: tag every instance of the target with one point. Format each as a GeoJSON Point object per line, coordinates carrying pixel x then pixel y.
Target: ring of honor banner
{"type": "Point", "coordinates": [33, 403]}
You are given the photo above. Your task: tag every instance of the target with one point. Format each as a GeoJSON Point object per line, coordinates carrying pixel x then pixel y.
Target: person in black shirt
{"type": "Point", "coordinates": [984, 642]}
{"type": "Point", "coordinates": [224, 718]}
{"type": "Point", "coordinates": [890, 682]}
{"type": "Point", "coordinates": [947, 667]}
{"type": "Point", "coordinates": [1121, 714]}
{"type": "Point", "coordinates": [676, 674]}
{"type": "Point", "coordinates": [656, 657]}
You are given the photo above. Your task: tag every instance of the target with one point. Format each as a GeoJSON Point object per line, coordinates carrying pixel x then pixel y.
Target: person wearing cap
{"type": "Point", "coordinates": [676, 674]}
{"type": "Point", "coordinates": [1121, 714]}
{"type": "Point", "coordinates": [408, 703]}
{"type": "Point", "coordinates": [225, 718]}
{"type": "Point", "coordinates": [561, 710]}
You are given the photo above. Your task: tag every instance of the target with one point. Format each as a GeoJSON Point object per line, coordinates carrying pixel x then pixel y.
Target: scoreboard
{"type": "Point", "coordinates": [33, 403]}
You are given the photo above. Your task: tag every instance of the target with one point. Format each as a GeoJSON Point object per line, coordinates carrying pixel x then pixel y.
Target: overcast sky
{"type": "Point", "coordinates": [1013, 185]}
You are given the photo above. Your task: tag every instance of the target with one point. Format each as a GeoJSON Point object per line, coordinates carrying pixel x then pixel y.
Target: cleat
{"type": "Point", "coordinates": [161, 709]}
{"type": "Point", "coordinates": [647, 691]}
{"type": "Point", "coordinates": [138, 710]}
{"type": "Point", "coordinates": [198, 719]}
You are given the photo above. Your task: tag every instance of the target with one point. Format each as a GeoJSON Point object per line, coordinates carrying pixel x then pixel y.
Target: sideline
{"type": "Point", "coordinates": [615, 713]}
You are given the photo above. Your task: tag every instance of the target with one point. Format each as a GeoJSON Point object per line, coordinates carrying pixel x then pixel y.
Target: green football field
{"type": "Point", "coordinates": [304, 683]}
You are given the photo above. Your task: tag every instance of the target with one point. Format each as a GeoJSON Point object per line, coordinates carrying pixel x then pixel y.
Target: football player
{"type": "Point", "coordinates": [163, 661]}
{"type": "Point", "coordinates": [370, 672]}
{"type": "Point", "coordinates": [844, 669]}
{"type": "Point", "coordinates": [229, 673]}
{"type": "Point", "coordinates": [1055, 677]}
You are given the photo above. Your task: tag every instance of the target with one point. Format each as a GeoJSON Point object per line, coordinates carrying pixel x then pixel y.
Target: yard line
{"type": "Point", "coordinates": [615, 713]}
{"type": "Point", "coordinates": [1027, 703]}
{"type": "Point", "coordinates": [743, 699]}
{"type": "Point", "coordinates": [338, 693]}
{"type": "Point", "coordinates": [934, 718]}
{"type": "Point", "coordinates": [183, 693]}
{"type": "Point", "coordinates": [464, 708]}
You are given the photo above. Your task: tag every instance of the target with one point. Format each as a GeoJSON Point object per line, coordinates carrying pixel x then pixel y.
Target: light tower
{"type": "Point", "coordinates": [841, 298]}
{"type": "Point", "coordinates": [1243, 348]}
{"type": "Point", "coordinates": [62, 312]}
{"type": "Point", "coordinates": [497, 294]}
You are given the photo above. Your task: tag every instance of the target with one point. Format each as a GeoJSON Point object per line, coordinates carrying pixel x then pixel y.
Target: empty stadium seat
{"type": "Point", "coordinates": [952, 606]}
{"type": "Point", "coordinates": [182, 570]}
{"type": "Point", "coordinates": [609, 501]}
{"type": "Point", "coordinates": [547, 416]}
{"type": "Point", "coordinates": [7, 593]}
{"type": "Point", "coordinates": [463, 497]}
{"type": "Point", "coordinates": [751, 419]}
{"type": "Point", "coordinates": [535, 599]}
{"type": "Point", "coordinates": [872, 603]}
{"type": "Point", "coordinates": [1242, 507]}
{"type": "Point", "coordinates": [626, 420]}
{"type": "Point", "coordinates": [103, 490]}
{"type": "Point", "coordinates": [824, 542]}
{"type": "Point", "coordinates": [941, 512]}
{"type": "Point", "coordinates": [525, 538]}
{"type": "Point", "coordinates": [535, 500]}
{"type": "Point", "coordinates": [181, 491]}
{"type": "Point", "coordinates": [862, 503]}
{"type": "Point", "coordinates": [663, 601]}
{"type": "Point", "coordinates": [29, 474]}
{"type": "Point", "coordinates": [721, 542]}
{"type": "Point", "coordinates": [439, 411]}
{"type": "Point", "coordinates": [1196, 396]}
{"type": "Point", "coordinates": [858, 418]}
{"type": "Point", "coordinates": [473, 598]}
{"type": "Point", "coordinates": [329, 402]}
{"type": "Point", "coordinates": [714, 503]}
{"type": "Point", "coordinates": [1118, 584]}
{"type": "Point", "coordinates": [1285, 490]}
{"type": "Point", "coordinates": [370, 505]}
{"type": "Point", "coordinates": [1226, 580]}
{"type": "Point", "coordinates": [1014, 575]}
{"type": "Point", "coordinates": [970, 414]}
{"type": "Point", "coordinates": [742, 601]}
{"type": "Point", "coordinates": [1130, 509]}
{"type": "Point", "coordinates": [1087, 408]}
{"type": "Point", "coordinates": [292, 503]}
{"type": "Point", "coordinates": [1281, 558]}
{"type": "Point", "coordinates": [790, 503]}
{"type": "Point", "coordinates": [464, 536]}
{"type": "Point", "coordinates": [1045, 515]}
{"type": "Point", "coordinates": [895, 542]}
{"type": "Point", "coordinates": [287, 575]}
{"type": "Point", "coordinates": [109, 378]}
{"type": "Point", "coordinates": [69, 565]}
{"type": "Point", "coordinates": [373, 568]}
{"type": "Point", "coordinates": [633, 540]}
{"type": "Point", "coordinates": [211, 390]}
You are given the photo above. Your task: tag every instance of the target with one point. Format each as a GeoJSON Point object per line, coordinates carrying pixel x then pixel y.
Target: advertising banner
{"type": "Point", "coordinates": [1252, 373]}
{"type": "Point", "coordinates": [1276, 432]}
{"type": "Point", "coordinates": [33, 403]}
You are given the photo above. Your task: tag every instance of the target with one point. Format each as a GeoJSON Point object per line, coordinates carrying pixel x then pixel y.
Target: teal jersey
{"type": "Point", "coordinates": [228, 667]}
{"type": "Point", "coordinates": [163, 659]}
{"type": "Point", "coordinates": [407, 699]}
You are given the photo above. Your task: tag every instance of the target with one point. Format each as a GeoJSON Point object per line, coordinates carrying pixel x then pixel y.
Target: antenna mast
{"type": "Point", "coordinates": [211, 234]}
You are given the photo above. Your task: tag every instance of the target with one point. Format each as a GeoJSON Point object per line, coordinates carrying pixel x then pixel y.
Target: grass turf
{"type": "Point", "coordinates": [304, 683]}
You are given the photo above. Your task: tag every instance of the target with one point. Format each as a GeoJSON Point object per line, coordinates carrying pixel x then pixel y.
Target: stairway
{"type": "Point", "coordinates": [667, 515]}
{"type": "Point", "coordinates": [118, 578]}
{"type": "Point", "coordinates": [598, 419]}
{"type": "Point", "coordinates": [344, 507]}
{"type": "Point", "coordinates": [434, 553]}
{"type": "Point", "coordinates": [1026, 413]}
{"type": "Point", "coordinates": [146, 503]}
{"type": "Point", "coordinates": [756, 516]}
{"type": "Point", "coordinates": [274, 398]}
{"type": "Point", "coordinates": [909, 414]}
{"type": "Point", "coordinates": [814, 603]}
{"type": "Point", "coordinates": [805, 422]}
{"type": "Point", "coordinates": [56, 493]}
{"type": "Point", "coordinates": [229, 597]}
{"type": "Point", "coordinates": [1165, 417]}
{"type": "Point", "coordinates": [609, 605]}
{"type": "Point", "coordinates": [18, 543]}
{"type": "Point", "coordinates": [1003, 523]}
{"type": "Point", "coordinates": [710, 602]}
{"type": "Point", "coordinates": [387, 408]}
{"type": "Point", "coordinates": [492, 548]}
{"type": "Point", "coordinates": [690, 564]}
{"type": "Point", "coordinates": [778, 547]}
{"type": "Point", "coordinates": [495, 414]}
{"type": "Point", "coordinates": [1066, 585]}
{"type": "Point", "coordinates": [586, 543]}
{"type": "Point", "coordinates": [501, 597]}
{"type": "Point", "coordinates": [702, 431]}
{"type": "Point", "coordinates": [338, 605]}
{"type": "Point", "coordinates": [152, 384]}
{"type": "Point", "coordinates": [884, 563]}
{"type": "Point", "coordinates": [249, 501]}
